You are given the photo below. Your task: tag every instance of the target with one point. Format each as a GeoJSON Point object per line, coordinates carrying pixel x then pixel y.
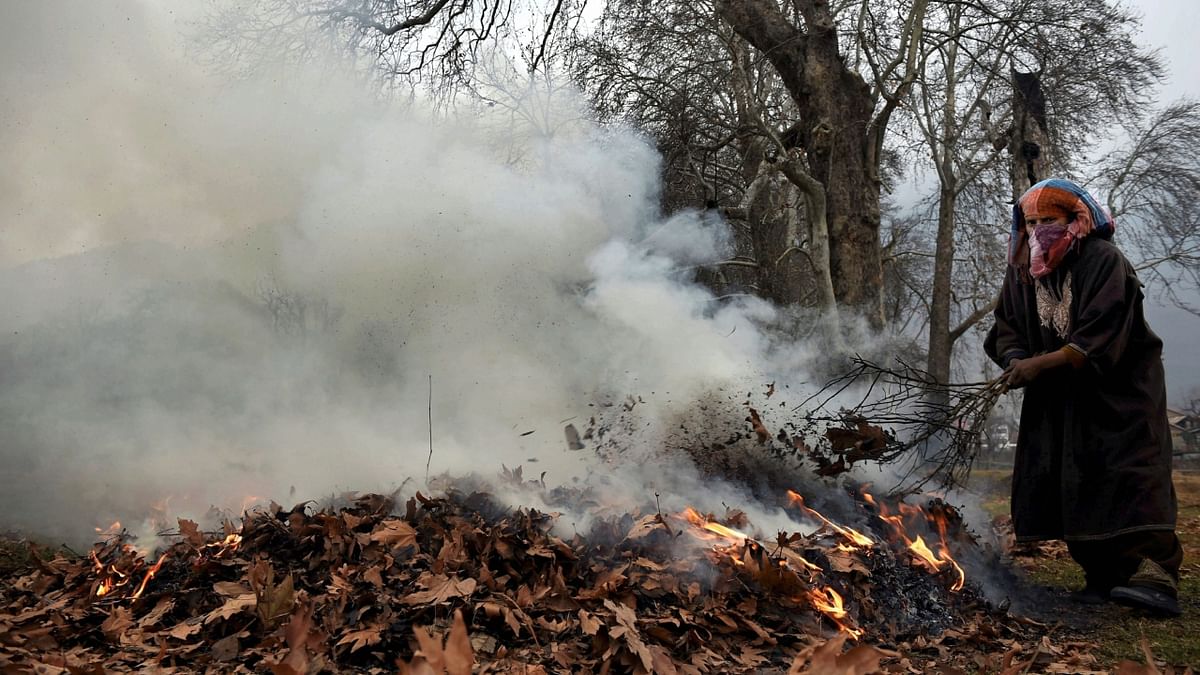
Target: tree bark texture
{"type": "Point", "coordinates": [1029, 145]}
{"type": "Point", "coordinates": [835, 108]}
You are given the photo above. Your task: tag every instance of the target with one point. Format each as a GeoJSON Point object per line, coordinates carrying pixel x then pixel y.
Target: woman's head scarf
{"type": "Point", "coordinates": [1055, 197]}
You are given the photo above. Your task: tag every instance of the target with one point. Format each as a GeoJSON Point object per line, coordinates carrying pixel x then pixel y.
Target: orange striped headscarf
{"type": "Point", "coordinates": [1056, 197]}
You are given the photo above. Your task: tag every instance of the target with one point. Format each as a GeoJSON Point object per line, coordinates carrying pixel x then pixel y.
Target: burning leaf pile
{"type": "Point", "coordinates": [460, 584]}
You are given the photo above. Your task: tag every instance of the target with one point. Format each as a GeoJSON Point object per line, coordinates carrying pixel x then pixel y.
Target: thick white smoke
{"type": "Point", "coordinates": [285, 289]}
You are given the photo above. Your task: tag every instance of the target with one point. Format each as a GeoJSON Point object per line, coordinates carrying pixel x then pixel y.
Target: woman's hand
{"type": "Point", "coordinates": [1021, 372]}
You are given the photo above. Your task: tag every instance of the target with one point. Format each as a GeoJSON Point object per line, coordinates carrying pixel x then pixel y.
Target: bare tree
{"type": "Point", "coordinates": [1153, 186]}
{"type": "Point", "coordinates": [435, 41]}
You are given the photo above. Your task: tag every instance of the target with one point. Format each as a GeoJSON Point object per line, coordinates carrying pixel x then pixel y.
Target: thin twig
{"type": "Point", "coordinates": [430, 458]}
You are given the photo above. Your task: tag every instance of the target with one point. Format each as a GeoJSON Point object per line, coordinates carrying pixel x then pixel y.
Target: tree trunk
{"type": "Point", "coordinates": [1029, 146]}
{"type": "Point", "coordinates": [835, 108]}
{"type": "Point", "coordinates": [940, 341]}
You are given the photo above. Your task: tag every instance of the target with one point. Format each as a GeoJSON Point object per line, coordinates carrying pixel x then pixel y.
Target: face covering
{"type": "Point", "coordinates": [1047, 246]}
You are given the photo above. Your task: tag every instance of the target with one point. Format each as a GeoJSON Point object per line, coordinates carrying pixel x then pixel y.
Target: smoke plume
{"type": "Point", "coordinates": [284, 288]}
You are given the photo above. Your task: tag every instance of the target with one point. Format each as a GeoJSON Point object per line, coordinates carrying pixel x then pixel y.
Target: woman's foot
{"type": "Point", "coordinates": [1151, 599]}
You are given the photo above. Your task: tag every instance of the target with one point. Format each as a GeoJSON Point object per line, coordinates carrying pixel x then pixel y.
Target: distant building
{"type": "Point", "coordinates": [1185, 433]}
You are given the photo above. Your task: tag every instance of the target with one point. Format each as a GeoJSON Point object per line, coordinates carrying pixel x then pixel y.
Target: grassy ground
{"type": "Point", "coordinates": [1119, 631]}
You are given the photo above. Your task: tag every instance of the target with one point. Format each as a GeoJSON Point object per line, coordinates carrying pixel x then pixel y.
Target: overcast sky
{"type": "Point", "coordinates": [1171, 24]}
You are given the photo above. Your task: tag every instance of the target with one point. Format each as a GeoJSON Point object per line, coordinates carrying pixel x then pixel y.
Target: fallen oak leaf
{"type": "Point", "coordinates": [646, 526]}
{"type": "Point", "coordinates": [230, 589]}
{"type": "Point", "coordinates": [226, 649]}
{"type": "Point", "coordinates": [273, 601]}
{"type": "Point", "coordinates": [827, 659]}
{"type": "Point", "coordinates": [160, 610]}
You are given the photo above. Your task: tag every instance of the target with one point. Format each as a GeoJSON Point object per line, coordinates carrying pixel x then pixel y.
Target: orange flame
{"type": "Point", "coordinates": [149, 575]}
{"type": "Point", "coordinates": [109, 576]}
{"type": "Point", "coordinates": [697, 519]}
{"type": "Point", "coordinates": [829, 602]}
{"type": "Point", "coordinates": [856, 538]}
{"type": "Point", "coordinates": [115, 528]}
{"type": "Point", "coordinates": [920, 550]}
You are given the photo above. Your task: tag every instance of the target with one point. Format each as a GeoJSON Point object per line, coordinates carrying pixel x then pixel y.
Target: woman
{"type": "Point", "coordinates": [1093, 463]}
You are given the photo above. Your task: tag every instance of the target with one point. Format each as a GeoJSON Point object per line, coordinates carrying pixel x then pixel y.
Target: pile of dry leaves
{"type": "Point", "coordinates": [460, 584]}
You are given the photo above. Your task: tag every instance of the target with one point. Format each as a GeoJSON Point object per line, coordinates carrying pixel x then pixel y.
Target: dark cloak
{"type": "Point", "coordinates": [1093, 453]}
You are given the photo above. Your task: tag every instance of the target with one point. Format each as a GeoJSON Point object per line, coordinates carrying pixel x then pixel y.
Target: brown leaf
{"type": "Point", "coordinates": [118, 622]}
{"type": "Point", "coordinates": [226, 649]}
{"type": "Point", "coordinates": [663, 663]}
{"type": "Point", "coordinates": [373, 576]}
{"type": "Point", "coordinates": [185, 629]}
{"type": "Point", "coordinates": [231, 589]}
{"type": "Point", "coordinates": [827, 659]}
{"type": "Point", "coordinates": [395, 533]}
{"type": "Point", "coordinates": [231, 607]}
{"type": "Point", "coordinates": [589, 624]}
{"type": "Point", "coordinates": [273, 601]}
{"type": "Point", "coordinates": [861, 660]}
{"type": "Point", "coordinates": [646, 526]}
{"type": "Point", "coordinates": [441, 588]}
{"type": "Point", "coordinates": [627, 619]}
{"type": "Point", "coordinates": [160, 610]}
{"type": "Point", "coordinates": [430, 651]}
{"type": "Point", "coordinates": [191, 532]}
{"type": "Point", "coordinates": [296, 634]}
{"type": "Point", "coordinates": [759, 430]}
{"type": "Point", "coordinates": [459, 657]}
{"type": "Point", "coordinates": [357, 639]}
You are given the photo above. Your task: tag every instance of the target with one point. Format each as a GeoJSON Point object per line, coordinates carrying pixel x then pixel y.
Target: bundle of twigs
{"type": "Point", "coordinates": [902, 415]}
